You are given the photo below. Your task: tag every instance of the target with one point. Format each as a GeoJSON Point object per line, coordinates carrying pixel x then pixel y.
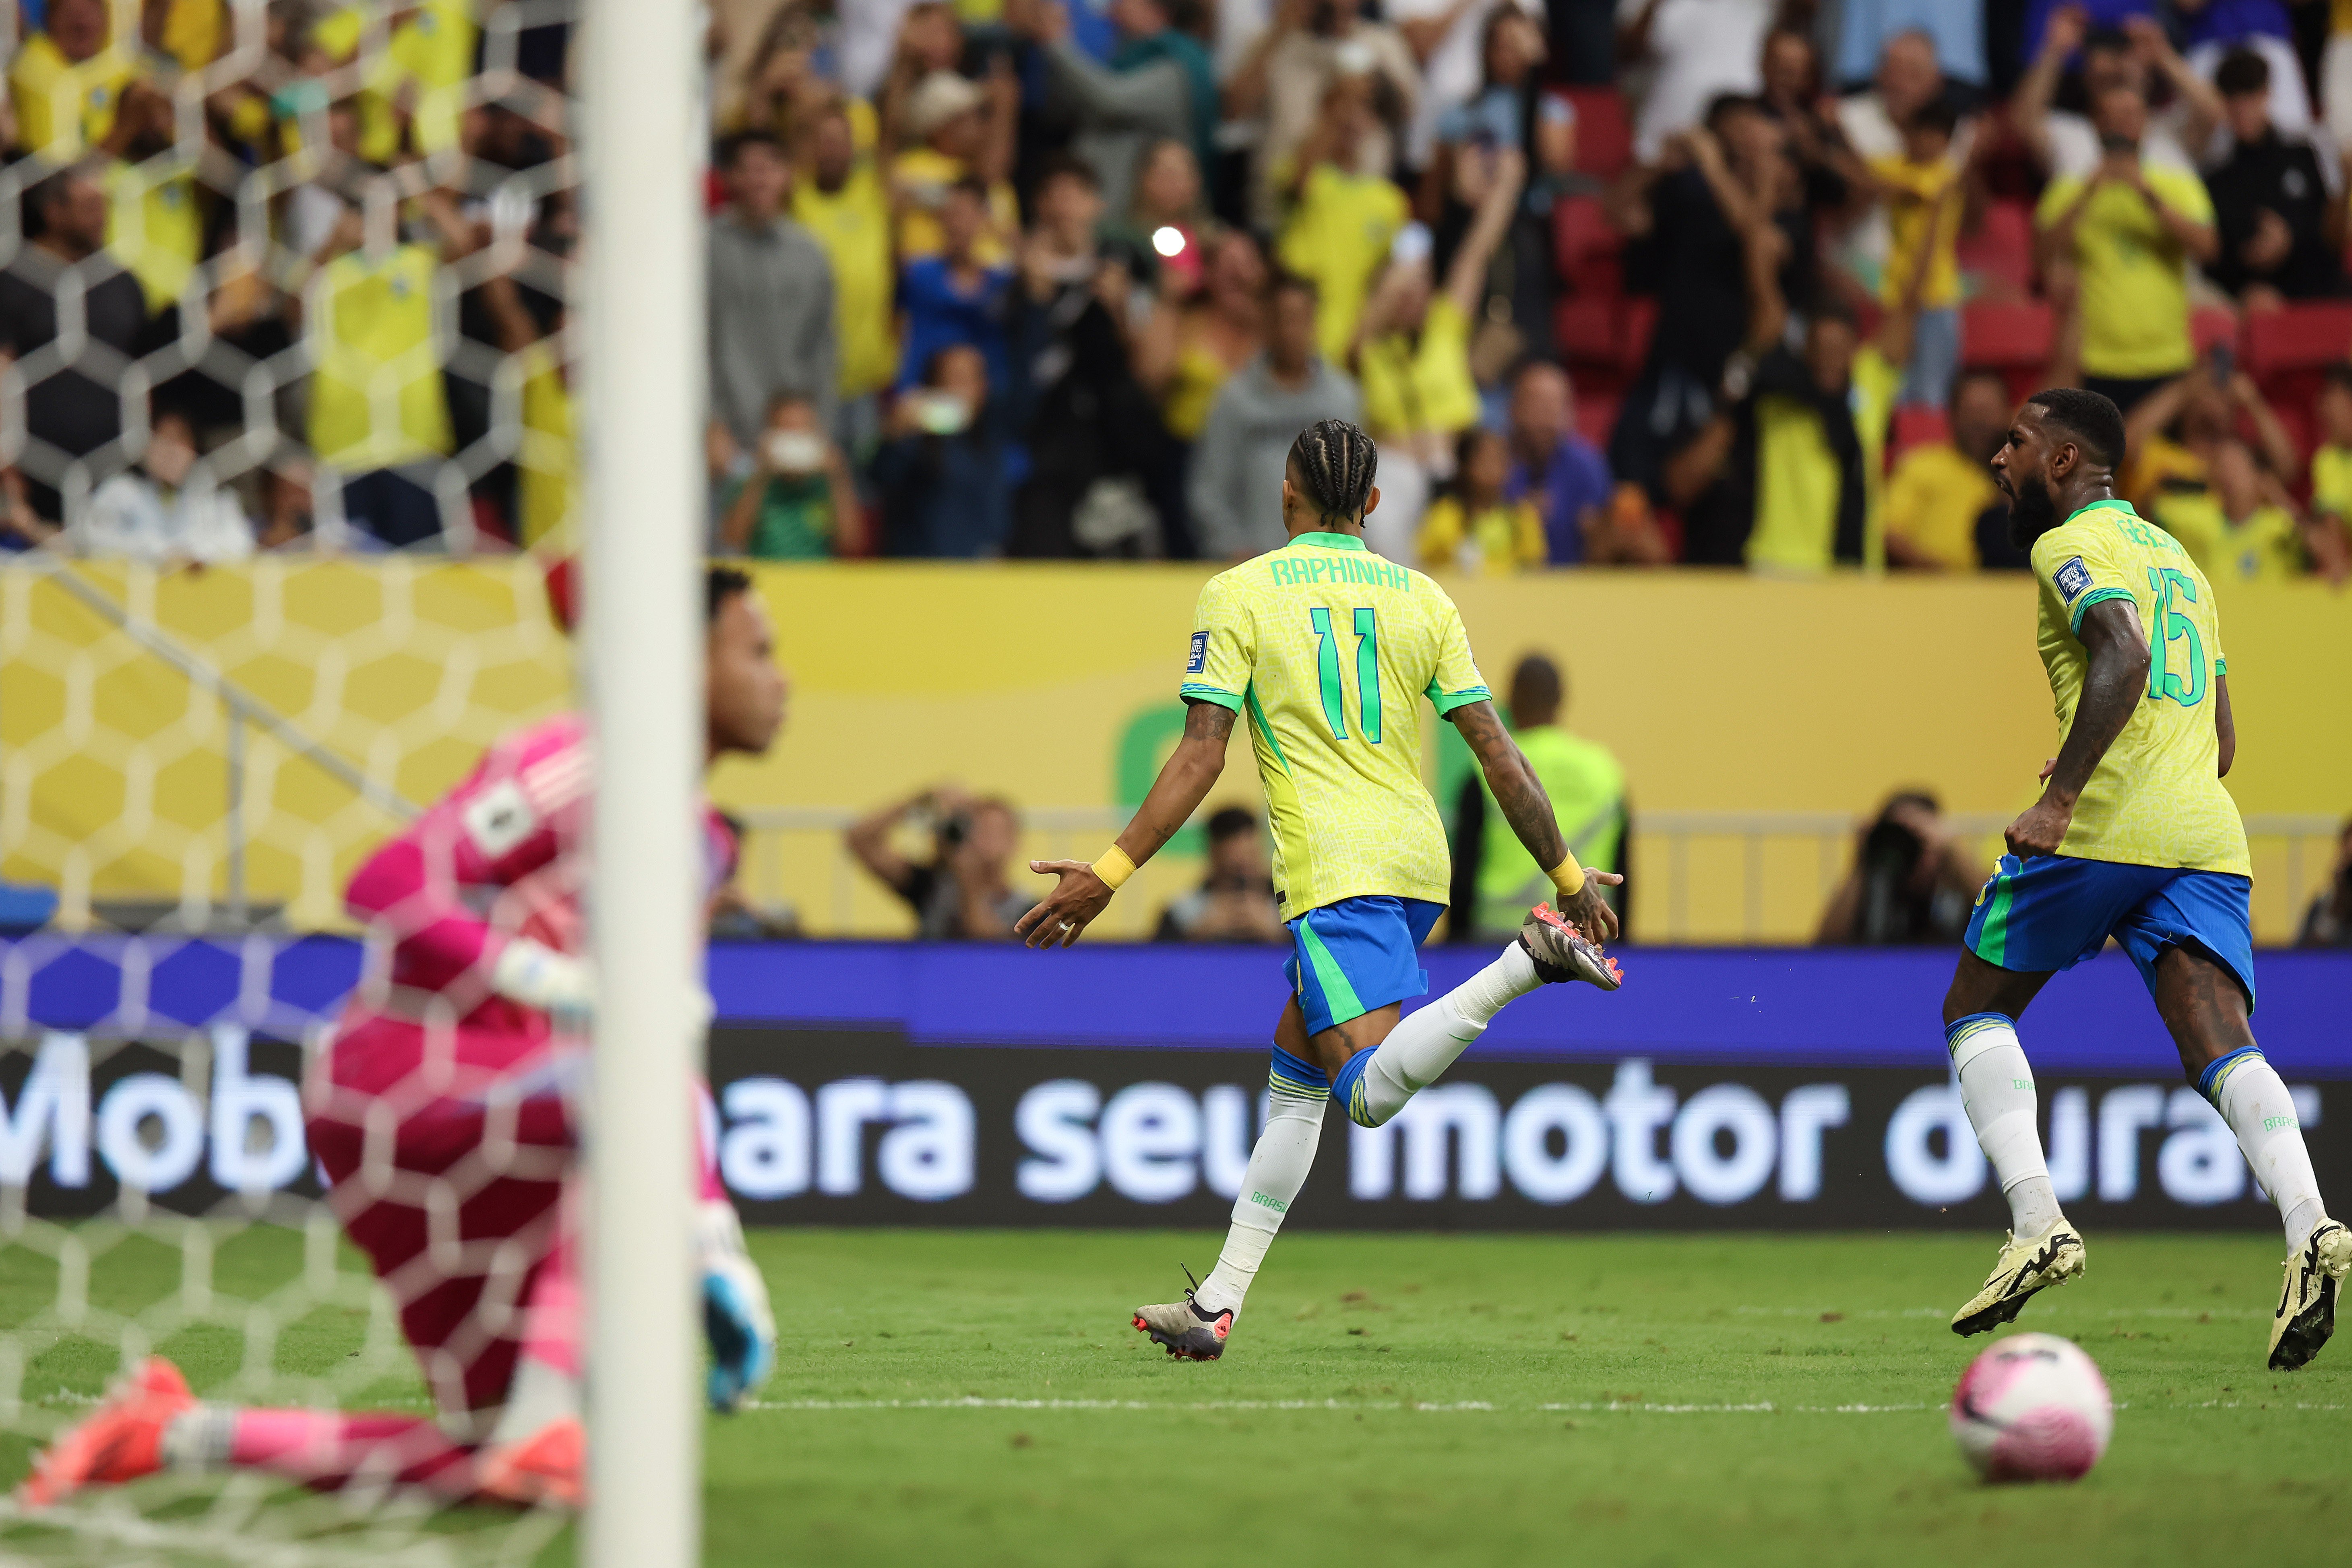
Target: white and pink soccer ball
{"type": "Point", "coordinates": [2033, 1408]}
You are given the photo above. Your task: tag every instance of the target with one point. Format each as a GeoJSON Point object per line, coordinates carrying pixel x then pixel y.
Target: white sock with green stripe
{"type": "Point", "coordinates": [1997, 1087]}
{"type": "Point", "coordinates": [1278, 1169]}
{"type": "Point", "coordinates": [1425, 1044]}
{"type": "Point", "coordinates": [2252, 1099]}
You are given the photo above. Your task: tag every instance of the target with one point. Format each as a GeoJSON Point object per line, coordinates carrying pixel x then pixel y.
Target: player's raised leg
{"type": "Point", "coordinates": [1980, 1014]}
{"type": "Point", "coordinates": [2206, 1009]}
{"type": "Point", "coordinates": [1374, 1084]}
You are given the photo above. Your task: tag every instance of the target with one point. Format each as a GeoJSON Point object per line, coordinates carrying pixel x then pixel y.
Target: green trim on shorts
{"type": "Point", "coordinates": [1337, 992]}
{"type": "Point", "coordinates": [1993, 945]}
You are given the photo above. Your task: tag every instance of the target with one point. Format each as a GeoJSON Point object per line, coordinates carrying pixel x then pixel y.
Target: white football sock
{"type": "Point", "coordinates": [1425, 1044]}
{"type": "Point", "coordinates": [2252, 1099]}
{"type": "Point", "coordinates": [1278, 1169]}
{"type": "Point", "coordinates": [201, 1437]}
{"type": "Point", "coordinates": [1997, 1087]}
{"type": "Point", "coordinates": [540, 1394]}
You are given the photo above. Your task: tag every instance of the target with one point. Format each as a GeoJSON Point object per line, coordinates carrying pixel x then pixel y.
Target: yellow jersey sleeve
{"type": "Point", "coordinates": [2083, 566]}
{"type": "Point", "coordinates": [1224, 649]}
{"type": "Point", "coordinates": [1456, 681]}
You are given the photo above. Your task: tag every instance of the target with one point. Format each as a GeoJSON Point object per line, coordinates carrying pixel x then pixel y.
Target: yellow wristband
{"type": "Point", "coordinates": [1114, 867]}
{"type": "Point", "coordinates": [1568, 876]}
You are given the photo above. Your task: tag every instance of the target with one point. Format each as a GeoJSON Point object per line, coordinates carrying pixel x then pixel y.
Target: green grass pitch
{"type": "Point", "coordinates": [955, 1397]}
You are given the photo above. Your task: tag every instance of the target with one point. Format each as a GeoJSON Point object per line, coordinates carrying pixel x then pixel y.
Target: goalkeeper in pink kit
{"type": "Point", "coordinates": [442, 1114]}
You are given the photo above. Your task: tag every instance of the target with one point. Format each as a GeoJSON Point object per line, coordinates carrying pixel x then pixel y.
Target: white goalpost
{"type": "Point", "coordinates": [642, 663]}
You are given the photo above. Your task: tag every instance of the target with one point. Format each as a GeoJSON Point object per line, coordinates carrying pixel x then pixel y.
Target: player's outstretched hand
{"type": "Point", "coordinates": [1588, 911]}
{"type": "Point", "coordinates": [1069, 909]}
{"type": "Point", "coordinates": [2039, 830]}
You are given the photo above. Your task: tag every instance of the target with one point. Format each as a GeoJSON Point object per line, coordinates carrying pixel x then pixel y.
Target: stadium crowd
{"type": "Point", "coordinates": [1709, 281]}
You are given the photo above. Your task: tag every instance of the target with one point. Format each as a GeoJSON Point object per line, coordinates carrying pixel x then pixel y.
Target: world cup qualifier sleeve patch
{"type": "Point", "coordinates": [2072, 578]}
{"type": "Point", "coordinates": [1199, 658]}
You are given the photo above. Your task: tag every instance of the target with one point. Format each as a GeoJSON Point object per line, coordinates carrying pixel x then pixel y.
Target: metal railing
{"type": "Point", "coordinates": [1747, 877]}
{"type": "Point", "coordinates": [241, 708]}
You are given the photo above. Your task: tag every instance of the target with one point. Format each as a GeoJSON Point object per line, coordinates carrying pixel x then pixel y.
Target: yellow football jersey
{"type": "Point", "coordinates": [2156, 798]}
{"type": "Point", "coordinates": [1330, 649]}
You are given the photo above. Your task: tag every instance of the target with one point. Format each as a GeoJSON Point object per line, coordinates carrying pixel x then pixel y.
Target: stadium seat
{"type": "Point", "coordinates": [1596, 416]}
{"type": "Point", "coordinates": [2002, 335]}
{"type": "Point", "coordinates": [1638, 319]}
{"type": "Point", "coordinates": [2012, 338]}
{"type": "Point", "coordinates": [2000, 254]}
{"type": "Point", "coordinates": [1604, 131]}
{"type": "Point", "coordinates": [1916, 427]}
{"type": "Point", "coordinates": [2301, 337]}
{"type": "Point", "coordinates": [2213, 324]}
{"type": "Point", "coordinates": [1587, 247]}
{"type": "Point", "coordinates": [1585, 328]}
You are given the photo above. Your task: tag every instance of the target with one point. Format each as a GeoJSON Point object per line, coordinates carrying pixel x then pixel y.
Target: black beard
{"type": "Point", "coordinates": [2032, 511]}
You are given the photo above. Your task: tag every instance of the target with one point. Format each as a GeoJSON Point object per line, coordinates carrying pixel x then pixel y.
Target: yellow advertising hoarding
{"type": "Point", "coordinates": [1054, 686]}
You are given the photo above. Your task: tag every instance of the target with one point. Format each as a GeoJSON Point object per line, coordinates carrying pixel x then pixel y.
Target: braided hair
{"type": "Point", "coordinates": [1334, 462]}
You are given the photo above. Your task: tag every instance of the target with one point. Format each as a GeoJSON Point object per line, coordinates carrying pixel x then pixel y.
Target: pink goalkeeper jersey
{"type": "Point", "coordinates": [501, 856]}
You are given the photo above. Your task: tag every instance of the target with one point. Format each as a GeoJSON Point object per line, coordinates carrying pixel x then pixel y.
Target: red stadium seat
{"type": "Point", "coordinates": [2300, 337]}
{"type": "Point", "coordinates": [2012, 338]}
{"type": "Point", "coordinates": [1638, 319]}
{"type": "Point", "coordinates": [1586, 330]}
{"type": "Point", "coordinates": [1596, 416]}
{"type": "Point", "coordinates": [2005, 335]}
{"type": "Point", "coordinates": [1916, 427]}
{"type": "Point", "coordinates": [1604, 131]}
{"type": "Point", "coordinates": [1587, 247]}
{"type": "Point", "coordinates": [2211, 324]}
{"type": "Point", "coordinates": [2001, 252]}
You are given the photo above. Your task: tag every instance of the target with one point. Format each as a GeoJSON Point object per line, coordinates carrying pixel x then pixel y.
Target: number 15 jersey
{"type": "Point", "coordinates": [2156, 798]}
{"type": "Point", "coordinates": [1327, 649]}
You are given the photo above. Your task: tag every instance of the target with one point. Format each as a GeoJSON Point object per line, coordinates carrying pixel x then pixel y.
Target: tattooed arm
{"type": "Point", "coordinates": [1524, 806]}
{"type": "Point", "coordinates": [1183, 784]}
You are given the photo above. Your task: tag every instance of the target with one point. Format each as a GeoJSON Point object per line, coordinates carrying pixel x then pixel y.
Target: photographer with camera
{"type": "Point", "coordinates": [2328, 922]}
{"type": "Point", "coordinates": [960, 892]}
{"type": "Point", "coordinates": [1234, 902]}
{"type": "Point", "coordinates": [1914, 881]}
{"type": "Point", "coordinates": [799, 503]}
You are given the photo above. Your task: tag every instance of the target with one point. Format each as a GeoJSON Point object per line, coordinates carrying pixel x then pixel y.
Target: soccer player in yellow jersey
{"type": "Point", "coordinates": [2134, 838]}
{"type": "Point", "coordinates": [1330, 649]}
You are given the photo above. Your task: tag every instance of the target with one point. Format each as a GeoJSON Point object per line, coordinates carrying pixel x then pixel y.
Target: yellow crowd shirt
{"type": "Point", "coordinates": [1494, 541]}
{"type": "Point", "coordinates": [1329, 649]}
{"type": "Point", "coordinates": [1798, 481]}
{"type": "Point", "coordinates": [923, 175]}
{"type": "Point", "coordinates": [376, 398]}
{"type": "Point", "coordinates": [2156, 798]}
{"type": "Point", "coordinates": [2331, 475]}
{"type": "Point", "coordinates": [153, 229]}
{"type": "Point", "coordinates": [1416, 384]}
{"type": "Point", "coordinates": [2266, 547]}
{"type": "Point", "coordinates": [853, 223]}
{"type": "Point", "coordinates": [1919, 187]}
{"type": "Point", "coordinates": [2134, 275]}
{"type": "Point", "coordinates": [1933, 500]}
{"type": "Point", "coordinates": [64, 108]}
{"type": "Point", "coordinates": [1337, 238]}
{"type": "Point", "coordinates": [431, 52]}
{"type": "Point", "coordinates": [547, 460]}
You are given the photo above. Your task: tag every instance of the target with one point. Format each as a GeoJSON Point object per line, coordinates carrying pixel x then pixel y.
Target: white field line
{"type": "Point", "coordinates": [1478, 1407]}
{"type": "Point", "coordinates": [2045, 1308]}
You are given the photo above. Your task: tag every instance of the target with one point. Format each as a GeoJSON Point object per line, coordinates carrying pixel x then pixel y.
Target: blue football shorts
{"type": "Point", "coordinates": [2053, 912]}
{"type": "Point", "coordinates": [1352, 956]}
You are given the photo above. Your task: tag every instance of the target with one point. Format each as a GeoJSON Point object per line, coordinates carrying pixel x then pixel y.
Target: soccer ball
{"type": "Point", "coordinates": [2033, 1408]}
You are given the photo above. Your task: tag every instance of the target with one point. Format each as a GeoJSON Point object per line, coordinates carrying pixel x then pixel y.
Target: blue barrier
{"type": "Point", "coordinates": [1795, 1007]}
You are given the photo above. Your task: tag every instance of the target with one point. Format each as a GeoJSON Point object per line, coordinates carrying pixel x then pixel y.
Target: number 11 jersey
{"type": "Point", "coordinates": [2156, 798]}
{"type": "Point", "coordinates": [1328, 651]}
